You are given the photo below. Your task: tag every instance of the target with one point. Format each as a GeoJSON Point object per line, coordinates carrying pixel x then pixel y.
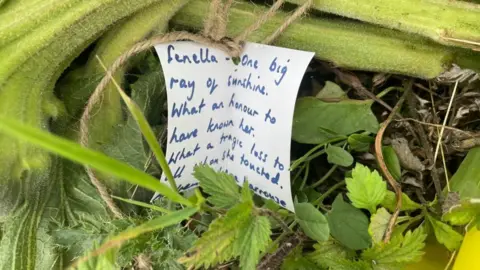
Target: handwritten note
{"type": "Point", "coordinates": [236, 118]}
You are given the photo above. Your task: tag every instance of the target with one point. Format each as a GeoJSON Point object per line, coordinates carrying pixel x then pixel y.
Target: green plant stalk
{"type": "Point", "coordinates": [305, 177]}
{"type": "Point", "coordinates": [347, 44]}
{"type": "Point", "coordinates": [328, 192]}
{"type": "Point", "coordinates": [311, 154]}
{"type": "Point", "coordinates": [446, 22]}
{"type": "Point", "coordinates": [33, 59]}
{"type": "Point", "coordinates": [142, 204]}
{"type": "Point", "coordinates": [325, 177]}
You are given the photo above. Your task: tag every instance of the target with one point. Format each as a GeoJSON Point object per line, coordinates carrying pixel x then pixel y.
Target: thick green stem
{"type": "Point", "coordinates": [448, 22]}
{"type": "Point", "coordinates": [325, 177]}
{"type": "Point", "coordinates": [347, 44]}
{"type": "Point", "coordinates": [32, 60]}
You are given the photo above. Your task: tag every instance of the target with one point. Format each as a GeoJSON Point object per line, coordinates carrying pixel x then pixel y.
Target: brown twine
{"type": "Point", "coordinates": [211, 19]}
{"type": "Point", "coordinates": [223, 20]}
{"type": "Point", "coordinates": [298, 13]}
{"type": "Point", "coordinates": [263, 19]}
{"type": "Point", "coordinates": [213, 36]}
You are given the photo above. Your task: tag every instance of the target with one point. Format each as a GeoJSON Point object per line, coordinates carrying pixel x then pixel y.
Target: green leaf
{"type": "Point", "coordinates": [366, 189]}
{"type": "Point", "coordinates": [331, 91]}
{"type": "Point", "coordinates": [96, 160]}
{"type": "Point", "coordinates": [253, 238]}
{"type": "Point", "coordinates": [466, 180]}
{"type": "Point", "coordinates": [312, 221]}
{"type": "Point", "coordinates": [166, 247]}
{"type": "Point", "coordinates": [378, 224]}
{"type": "Point", "coordinates": [348, 225]}
{"type": "Point", "coordinates": [360, 142]}
{"type": "Point", "coordinates": [342, 118]}
{"type": "Point", "coordinates": [151, 225]}
{"type": "Point", "coordinates": [390, 201]}
{"type": "Point", "coordinates": [222, 188]}
{"type": "Point", "coordinates": [445, 234]}
{"type": "Point", "coordinates": [216, 245]}
{"type": "Point", "coordinates": [462, 213]}
{"type": "Point", "coordinates": [328, 253]}
{"type": "Point", "coordinates": [345, 264]}
{"type": "Point", "coordinates": [296, 261]}
{"type": "Point", "coordinates": [338, 155]}
{"type": "Point", "coordinates": [392, 162]}
{"type": "Point", "coordinates": [401, 250]}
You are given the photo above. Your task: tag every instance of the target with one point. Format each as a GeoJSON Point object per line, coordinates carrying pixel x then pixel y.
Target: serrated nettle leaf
{"type": "Point", "coordinates": [222, 188]}
{"type": "Point", "coordinates": [216, 245]}
{"type": "Point", "coordinates": [342, 118]}
{"type": "Point", "coordinates": [331, 91]}
{"type": "Point", "coordinates": [253, 238]}
{"type": "Point", "coordinates": [398, 252]}
{"type": "Point", "coordinates": [378, 224]}
{"type": "Point", "coordinates": [149, 226]}
{"type": "Point", "coordinates": [390, 201]}
{"type": "Point", "coordinates": [366, 189]}
{"type": "Point", "coordinates": [392, 162]}
{"type": "Point", "coordinates": [463, 213]}
{"type": "Point", "coordinates": [312, 221]}
{"type": "Point", "coordinates": [445, 234]}
{"type": "Point", "coordinates": [338, 155]}
{"type": "Point", "coordinates": [360, 142]}
{"type": "Point", "coordinates": [327, 253]}
{"type": "Point", "coordinates": [348, 225]}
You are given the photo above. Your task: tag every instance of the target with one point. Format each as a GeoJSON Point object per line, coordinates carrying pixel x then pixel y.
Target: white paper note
{"type": "Point", "coordinates": [235, 118]}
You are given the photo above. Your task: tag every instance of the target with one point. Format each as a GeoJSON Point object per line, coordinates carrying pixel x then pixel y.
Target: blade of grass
{"type": "Point", "coordinates": [94, 159]}
{"type": "Point", "coordinates": [142, 204]}
{"type": "Point", "coordinates": [144, 128]}
{"type": "Point", "coordinates": [151, 225]}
